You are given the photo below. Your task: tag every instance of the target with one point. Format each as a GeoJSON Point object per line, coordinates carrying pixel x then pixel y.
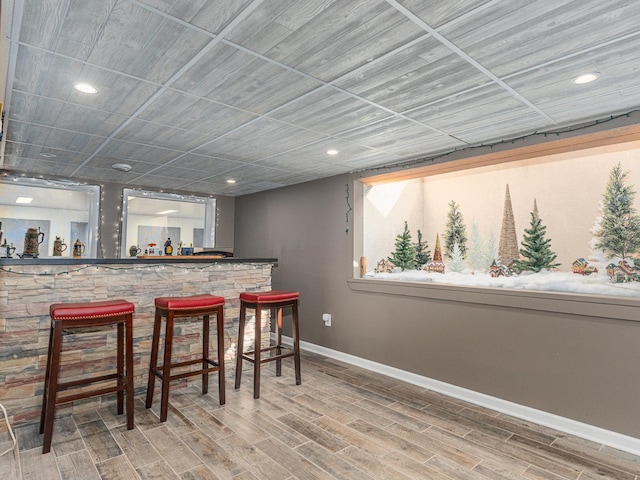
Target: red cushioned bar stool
{"type": "Point", "coordinates": [65, 316]}
{"type": "Point", "coordinates": [184, 307]}
{"type": "Point", "coordinates": [274, 300]}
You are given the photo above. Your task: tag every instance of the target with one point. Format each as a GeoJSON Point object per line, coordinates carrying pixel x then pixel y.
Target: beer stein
{"type": "Point", "coordinates": [32, 239]}
{"type": "Point", "coordinates": [134, 251]}
{"type": "Point", "coordinates": [8, 249]}
{"type": "Point", "coordinates": [58, 247]}
{"type": "Point", "coordinates": [78, 249]}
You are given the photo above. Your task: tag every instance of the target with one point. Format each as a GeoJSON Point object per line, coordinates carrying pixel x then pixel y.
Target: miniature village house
{"type": "Point", "coordinates": [436, 265]}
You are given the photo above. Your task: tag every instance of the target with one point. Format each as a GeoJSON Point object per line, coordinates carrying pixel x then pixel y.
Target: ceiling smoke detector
{"type": "Point", "coordinates": [121, 167]}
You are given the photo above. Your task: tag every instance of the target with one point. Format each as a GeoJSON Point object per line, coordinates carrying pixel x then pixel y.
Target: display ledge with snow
{"type": "Point", "coordinates": [594, 284]}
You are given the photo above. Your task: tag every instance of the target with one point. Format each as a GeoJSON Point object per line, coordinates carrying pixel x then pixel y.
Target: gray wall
{"type": "Point", "coordinates": [580, 367]}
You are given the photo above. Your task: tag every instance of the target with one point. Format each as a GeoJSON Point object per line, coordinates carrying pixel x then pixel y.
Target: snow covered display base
{"type": "Point", "coordinates": [595, 284]}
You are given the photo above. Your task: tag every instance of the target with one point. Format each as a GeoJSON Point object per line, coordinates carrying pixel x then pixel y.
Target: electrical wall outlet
{"type": "Point", "coordinates": [326, 318]}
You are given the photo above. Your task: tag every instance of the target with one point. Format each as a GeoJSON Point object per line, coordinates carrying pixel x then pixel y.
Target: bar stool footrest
{"type": "Point", "coordinates": [99, 391]}
{"type": "Point", "coordinates": [159, 371]}
{"type": "Point", "coordinates": [250, 355]}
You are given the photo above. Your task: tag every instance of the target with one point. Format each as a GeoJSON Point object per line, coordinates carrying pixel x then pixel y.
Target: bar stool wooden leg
{"type": "Point", "coordinates": [278, 315]}
{"type": "Point", "coordinates": [153, 363]}
{"type": "Point", "coordinates": [205, 353]}
{"type": "Point", "coordinates": [129, 368]}
{"type": "Point", "coordinates": [256, 352]}
{"type": "Point", "coordinates": [296, 343]}
{"type": "Point", "coordinates": [120, 368]}
{"type": "Point", "coordinates": [166, 368]}
{"type": "Point", "coordinates": [46, 380]}
{"type": "Point", "coordinates": [220, 330]}
{"type": "Point", "coordinates": [240, 345]}
{"type": "Point", "coordinates": [52, 387]}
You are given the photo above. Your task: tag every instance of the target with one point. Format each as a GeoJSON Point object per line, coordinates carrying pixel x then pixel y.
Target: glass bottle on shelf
{"type": "Point", "coordinates": [168, 249]}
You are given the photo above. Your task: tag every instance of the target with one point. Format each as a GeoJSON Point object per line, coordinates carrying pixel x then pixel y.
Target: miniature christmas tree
{"type": "Point", "coordinates": [456, 263]}
{"type": "Point", "coordinates": [476, 248]}
{"type": "Point", "coordinates": [490, 252]}
{"type": "Point", "coordinates": [508, 247]}
{"type": "Point", "coordinates": [455, 231]}
{"type": "Point", "coordinates": [536, 251]}
{"type": "Point", "coordinates": [405, 254]}
{"type": "Point", "coordinates": [423, 254]}
{"type": "Point", "coordinates": [619, 232]}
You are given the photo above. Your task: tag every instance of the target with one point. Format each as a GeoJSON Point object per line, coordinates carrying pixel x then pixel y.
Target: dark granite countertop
{"type": "Point", "coordinates": [131, 260]}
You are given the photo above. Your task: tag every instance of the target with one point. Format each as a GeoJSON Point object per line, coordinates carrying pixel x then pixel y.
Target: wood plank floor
{"type": "Point", "coordinates": [343, 422]}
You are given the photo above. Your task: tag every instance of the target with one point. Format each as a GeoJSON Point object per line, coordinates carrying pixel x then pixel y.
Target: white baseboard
{"type": "Point", "coordinates": [573, 427]}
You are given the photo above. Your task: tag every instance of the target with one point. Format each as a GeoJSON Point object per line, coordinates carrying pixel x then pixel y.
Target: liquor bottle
{"type": "Point", "coordinates": [168, 249]}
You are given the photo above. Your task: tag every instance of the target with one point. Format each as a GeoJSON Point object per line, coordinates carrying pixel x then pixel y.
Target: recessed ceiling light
{"type": "Point", "coordinates": [122, 167]}
{"type": "Point", "coordinates": [332, 152]}
{"type": "Point", "coordinates": [48, 155]}
{"type": "Point", "coordinates": [231, 181]}
{"type": "Point", "coordinates": [25, 200]}
{"type": "Point", "coordinates": [85, 87]}
{"type": "Point", "coordinates": [167, 212]}
{"type": "Point", "coordinates": [585, 78]}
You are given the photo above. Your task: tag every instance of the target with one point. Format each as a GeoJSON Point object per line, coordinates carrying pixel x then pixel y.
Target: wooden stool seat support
{"type": "Point", "coordinates": [184, 307]}
{"type": "Point", "coordinates": [65, 316]}
{"type": "Point", "coordinates": [274, 300]}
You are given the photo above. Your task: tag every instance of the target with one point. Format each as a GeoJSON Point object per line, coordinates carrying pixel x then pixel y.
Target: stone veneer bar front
{"type": "Point", "coordinates": [29, 286]}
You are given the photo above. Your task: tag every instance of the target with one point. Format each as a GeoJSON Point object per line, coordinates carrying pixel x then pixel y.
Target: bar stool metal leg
{"type": "Point", "coordinates": [205, 353]}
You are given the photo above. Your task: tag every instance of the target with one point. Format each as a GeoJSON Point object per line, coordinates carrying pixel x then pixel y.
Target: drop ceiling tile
{"type": "Point", "coordinates": [422, 73]}
{"type": "Point", "coordinates": [137, 168]}
{"type": "Point", "coordinates": [205, 165]}
{"type": "Point", "coordinates": [158, 135]}
{"type": "Point", "coordinates": [37, 167]}
{"type": "Point", "coordinates": [180, 110]}
{"type": "Point", "coordinates": [231, 149]}
{"type": "Point", "coordinates": [616, 89]}
{"type": "Point", "coordinates": [400, 136]}
{"type": "Point", "coordinates": [487, 113]}
{"type": "Point", "coordinates": [26, 150]}
{"type": "Point", "coordinates": [437, 13]}
{"type": "Point", "coordinates": [511, 36]}
{"type": "Point", "coordinates": [156, 181]}
{"type": "Point", "coordinates": [53, 138]}
{"type": "Point", "coordinates": [241, 80]}
{"type": "Point", "coordinates": [329, 111]}
{"type": "Point", "coordinates": [327, 40]}
{"type": "Point", "coordinates": [138, 152]}
{"type": "Point", "coordinates": [139, 42]}
{"type": "Point", "coordinates": [48, 75]}
{"type": "Point", "coordinates": [277, 135]}
{"type": "Point", "coordinates": [40, 110]}
{"type": "Point", "coordinates": [205, 14]}
{"type": "Point", "coordinates": [56, 26]}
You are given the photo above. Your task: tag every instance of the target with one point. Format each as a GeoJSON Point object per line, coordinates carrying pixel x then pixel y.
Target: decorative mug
{"type": "Point", "coordinates": [32, 239]}
{"type": "Point", "coordinates": [78, 249]}
{"type": "Point", "coordinates": [58, 247]}
{"type": "Point", "coordinates": [8, 250]}
{"type": "Point", "coordinates": [134, 251]}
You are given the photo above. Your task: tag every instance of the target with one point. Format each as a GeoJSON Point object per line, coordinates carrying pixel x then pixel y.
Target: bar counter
{"type": "Point", "coordinates": [29, 286]}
